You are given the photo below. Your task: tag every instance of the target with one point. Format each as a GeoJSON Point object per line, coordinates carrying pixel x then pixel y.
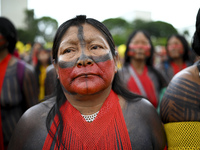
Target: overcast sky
{"type": "Point", "coordinates": [179, 13]}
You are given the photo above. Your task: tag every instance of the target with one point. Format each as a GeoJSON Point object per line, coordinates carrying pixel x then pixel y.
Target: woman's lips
{"type": "Point", "coordinates": [85, 75]}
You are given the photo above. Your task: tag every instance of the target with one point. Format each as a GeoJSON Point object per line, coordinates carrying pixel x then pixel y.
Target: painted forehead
{"type": "Point", "coordinates": [82, 33]}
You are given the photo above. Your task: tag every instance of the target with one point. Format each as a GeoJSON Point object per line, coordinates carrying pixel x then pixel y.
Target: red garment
{"type": "Point", "coordinates": [107, 132]}
{"type": "Point", "coordinates": [3, 67]}
{"type": "Point", "coordinates": [147, 86]}
{"type": "Point", "coordinates": [177, 68]}
{"type": "Point", "coordinates": [16, 54]}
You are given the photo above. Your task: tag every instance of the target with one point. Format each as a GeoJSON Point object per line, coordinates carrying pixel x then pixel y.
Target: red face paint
{"type": "Point", "coordinates": [132, 48]}
{"type": "Point", "coordinates": [131, 53]}
{"type": "Point", "coordinates": [177, 47]}
{"type": "Point", "coordinates": [88, 79]}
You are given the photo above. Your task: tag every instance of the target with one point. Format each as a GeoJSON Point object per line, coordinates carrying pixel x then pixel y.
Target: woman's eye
{"type": "Point", "coordinates": [96, 47]}
{"type": "Point", "coordinates": [67, 51]}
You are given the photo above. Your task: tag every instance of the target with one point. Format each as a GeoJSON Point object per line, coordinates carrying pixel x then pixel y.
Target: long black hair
{"type": "Point", "coordinates": [149, 60]}
{"type": "Point", "coordinates": [8, 30]}
{"type": "Point", "coordinates": [117, 85]}
{"type": "Point", "coordinates": [196, 37]}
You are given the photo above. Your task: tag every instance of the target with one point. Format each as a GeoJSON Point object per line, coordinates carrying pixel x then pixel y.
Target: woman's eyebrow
{"type": "Point", "coordinates": [90, 39]}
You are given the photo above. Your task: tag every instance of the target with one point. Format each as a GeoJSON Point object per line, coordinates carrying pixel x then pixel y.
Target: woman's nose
{"type": "Point", "coordinates": [84, 61]}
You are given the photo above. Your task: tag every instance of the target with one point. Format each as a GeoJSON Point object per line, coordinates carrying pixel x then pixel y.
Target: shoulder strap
{"type": "Point", "coordinates": [137, 80]}
{"type": "Point", "coordinates": [20, 72]}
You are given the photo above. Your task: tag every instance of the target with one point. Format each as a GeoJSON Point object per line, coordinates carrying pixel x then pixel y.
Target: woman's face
{"type": "Point", "coordinates": [139, 47]}
{"type": "Point", "coordinates": [85, 63]}
{"type": "Point", "coordinates": [43, 56]}
{"type": "Point", "coordinates": [175, 48]}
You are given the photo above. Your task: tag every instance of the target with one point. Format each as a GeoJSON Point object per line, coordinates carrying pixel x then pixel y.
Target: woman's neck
{"type": "Point", "coordinates": [138, 65]}
{"type": "Point", "coordinates": [88, 104]}
{"type": "Point", "coordinates": [178, 61]}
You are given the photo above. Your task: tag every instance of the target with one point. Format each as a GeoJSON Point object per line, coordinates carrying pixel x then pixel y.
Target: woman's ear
{"type": "Point", "coordinates": [56, 67]}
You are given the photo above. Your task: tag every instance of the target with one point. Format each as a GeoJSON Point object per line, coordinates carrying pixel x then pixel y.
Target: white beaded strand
{"type": "Point", "coordinates": [90, 118]}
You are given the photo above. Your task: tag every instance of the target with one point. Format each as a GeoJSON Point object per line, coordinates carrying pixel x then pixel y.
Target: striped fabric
{"type": "Point", "coordinates": [14, 100]}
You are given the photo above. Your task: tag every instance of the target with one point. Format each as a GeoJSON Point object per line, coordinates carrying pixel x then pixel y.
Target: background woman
{"type": "Point", "coordinates": [138, 72]}
{"type": "Point", "coordinates": [178, 52]}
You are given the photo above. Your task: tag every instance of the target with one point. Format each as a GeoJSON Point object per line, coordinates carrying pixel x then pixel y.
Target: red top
{"type": "Point", "coordinates": [147, 84]}
{"type": "Point", "coordinates": [3, 67]}
{"type": "Point", "coordinates": [177, 68]}
{"type": "Point", "coordinates": [107, 131]}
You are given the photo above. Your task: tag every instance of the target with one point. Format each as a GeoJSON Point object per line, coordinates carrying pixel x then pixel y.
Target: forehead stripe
{"type": "Point", "coordinates": [80, 36]}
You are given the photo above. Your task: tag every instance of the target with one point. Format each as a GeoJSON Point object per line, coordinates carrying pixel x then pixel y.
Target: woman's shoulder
{"type": "Point", "coordinates": [38, 112]}
{"type": "Point", "coordinates": [31, 127]}
{"type": "Point", "coordinates": [182, 94]}
{"type": "Point", "coordinates": [40, 109]}
{"type": "Point", "coordinates": [143, 122]}
{"type": "Point", "coordinates": [141, 106]}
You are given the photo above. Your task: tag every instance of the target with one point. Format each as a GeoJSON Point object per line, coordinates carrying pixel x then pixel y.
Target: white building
{"type": "Point", "coordinates": [14, 11]}
{"type": "Point", "coordinates": [133, 15]}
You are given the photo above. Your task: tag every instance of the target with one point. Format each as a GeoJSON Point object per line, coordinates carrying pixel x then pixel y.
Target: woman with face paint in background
{"type": "Point", "coordinates": [43, 61]}
{"type": "Point", "coordinates": [18, 88]}
{"type": "Point", "coordinates": [91, 109]}
{"type": "Point", "coordinates": [180, 106]}
{"type": "Point", "coordinates": [138, 72]}
{"type": "Point", "coordinates": [178, 51]}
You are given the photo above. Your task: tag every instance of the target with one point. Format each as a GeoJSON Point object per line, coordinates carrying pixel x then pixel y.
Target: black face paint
{"type": "Point", "coordinates": [81, 37]}
{"type": "Point", "coordinates": [96, 59]}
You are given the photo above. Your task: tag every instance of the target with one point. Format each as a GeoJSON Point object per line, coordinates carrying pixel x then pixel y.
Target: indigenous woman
{"type": "Point", "coordinates": [138, 72]}
{"type": "Point", "coordinates": [43, 61]}
{"type": "Point", "coordinates": [178, 57]}
{"type": "Point", "coordinates": [18, 88]}
{"type": "Point", "coordinates": [91, 109]}
{"type": "Point", "coordinates": [180, 107]}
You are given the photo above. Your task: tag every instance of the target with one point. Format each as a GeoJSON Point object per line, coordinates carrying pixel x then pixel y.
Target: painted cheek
{"type": "Point", "coordinates": [131, 53]}
{"type": "Point", "coordinates": [64, 76]}
{"type": "Point", "coordinates": [103, 74]}
{"type": "Point", "coordinates": [132, 47]}
{"type": "Point", "coordinates": [147, 50]}
{"type": "Point", "coordinates": [176, 47]}
{"type": "Point", "coordinates": [181, 49]}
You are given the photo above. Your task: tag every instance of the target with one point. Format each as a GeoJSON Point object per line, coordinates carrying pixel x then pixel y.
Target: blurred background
{"type": "Point", "coordinates": [37, 20]}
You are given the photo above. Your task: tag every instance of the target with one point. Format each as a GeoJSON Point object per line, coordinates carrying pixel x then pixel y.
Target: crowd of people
{"type": "Point", "coordinates": [75, 95]}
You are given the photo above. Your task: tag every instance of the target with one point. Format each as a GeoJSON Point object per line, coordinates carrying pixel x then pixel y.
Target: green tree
{"type": "Point", "coordinates": [121, 29]}
{"type": "Point", "coordinates": [47, 28]}
{"type": "Point", "coordinates": [43, 28]}
{"type": "Point", "coordinates": [118, 27]}
{"type": "Point", "coordinates": [28, 34]}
